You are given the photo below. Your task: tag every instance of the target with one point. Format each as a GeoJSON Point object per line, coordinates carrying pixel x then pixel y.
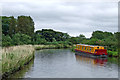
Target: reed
{"type": "Point", "coordinates": [39, 47]}
{"type": "Point", "coordinates": [0, 63]}
{"type": "Point", "coordinates": [13, 58]}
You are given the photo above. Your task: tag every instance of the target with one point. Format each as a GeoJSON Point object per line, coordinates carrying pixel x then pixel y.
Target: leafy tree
{"type": "Point", "coordinates": [98, 35]}
{"type": "Point", "coordinates": [12, 26]}
{"type": "Point", "coordinates": [82, 36]}
{"type": "Point", "coordinates": [51, 35]}
{"type": "Point", "coordinates": [6, 40]}
{"type": "Point", "coordinates": [101, 35]}
{"type": "Point", "coordinates": [20, 39]}
{"type": "Point", "coordinates": [25, 25]}
{"type": "Point", "coordinates": [39, 40]}
{"type": "Point", "coordinates": [74, 40]}
{"type": "Point", "coordinates": [5, 24]}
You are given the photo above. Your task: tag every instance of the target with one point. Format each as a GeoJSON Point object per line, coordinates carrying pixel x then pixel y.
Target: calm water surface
{"type": "Point", "coordinates": [63, 63]}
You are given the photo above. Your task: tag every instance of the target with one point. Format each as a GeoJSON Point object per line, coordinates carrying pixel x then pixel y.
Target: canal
{"type": "Point", "coordinates": [63, 63]}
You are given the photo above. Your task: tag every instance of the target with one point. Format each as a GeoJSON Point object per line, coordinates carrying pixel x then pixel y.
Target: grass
{"type": "Point", "coordinates": [13, 58]}
{"type": "Point", "coordinates": [38, 47]}
{"type": "Point", "coordinates": [73, 48]}
{"type": "Point", "coordinates": [112, 53]}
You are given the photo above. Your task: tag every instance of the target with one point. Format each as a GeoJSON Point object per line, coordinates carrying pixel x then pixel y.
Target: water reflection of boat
{"type": "Point", "coordinates": [99, 61]}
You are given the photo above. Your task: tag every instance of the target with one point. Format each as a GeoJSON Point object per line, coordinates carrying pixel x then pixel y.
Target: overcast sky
{"type": "Point", "coordinates": [72, 17]}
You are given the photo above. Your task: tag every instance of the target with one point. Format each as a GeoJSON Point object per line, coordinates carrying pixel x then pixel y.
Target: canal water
{"type": "Point", "coordinates": [63, 63]}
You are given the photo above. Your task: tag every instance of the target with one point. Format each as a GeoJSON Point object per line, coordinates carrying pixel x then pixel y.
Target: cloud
{"type": "Point", "coordinates": [73, 17]}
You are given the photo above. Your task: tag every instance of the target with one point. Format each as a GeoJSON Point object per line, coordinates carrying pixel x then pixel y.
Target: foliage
{"type": "Point", "coordinates": [12, 26]}
{"type": "Point", "coordinates": [51, 35]}
{"type": "Point", "coordinates": [5, 24]}
{"type": "Point", "coordinates": [6, 40]}
{"type": "Point", "coordinates": [39, 40]}
{"type": "Point", "coordinates": [25, 25]}
{"type": "Point", "coordinates": [101, 35]}
{"type": "Point", "coordinates": [20, 39]}
{"type": "Point", "coordinates": [78, 39]}
{"type": "Point", "coordinates": [15, 57]}
{"type": "Point", "coordinates": [112, 53]}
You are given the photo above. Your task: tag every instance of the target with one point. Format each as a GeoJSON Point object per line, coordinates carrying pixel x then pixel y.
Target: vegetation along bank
{"type": "Point", "coordinates": [14, 58]}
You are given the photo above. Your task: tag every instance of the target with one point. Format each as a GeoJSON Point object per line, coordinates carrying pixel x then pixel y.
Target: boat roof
{"type": "Point", "coordinates": [89, 45]}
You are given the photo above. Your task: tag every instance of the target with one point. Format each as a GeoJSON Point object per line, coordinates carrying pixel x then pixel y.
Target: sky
{"type": "Point", "coordinates": [68, 16]}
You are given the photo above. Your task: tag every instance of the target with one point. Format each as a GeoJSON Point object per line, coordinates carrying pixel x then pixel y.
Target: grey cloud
{"type": "Point", "coordinates": [72, 17]}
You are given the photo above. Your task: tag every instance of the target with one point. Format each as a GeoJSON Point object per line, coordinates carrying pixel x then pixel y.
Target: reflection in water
{"type": "Point", "coordinates": [94, 61]}
{"type": "Point", "coordinates": [22, 72]}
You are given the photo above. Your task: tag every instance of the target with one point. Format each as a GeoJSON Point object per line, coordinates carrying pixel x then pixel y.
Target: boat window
{"type": "Point", "coordinates": [97, 47]}
{"type": "Point", "coordinates": [90, 49]}
{"type": "Point", "coordinates": [82, 48]}
{"type": "Point", "coordinates": [85, 48]}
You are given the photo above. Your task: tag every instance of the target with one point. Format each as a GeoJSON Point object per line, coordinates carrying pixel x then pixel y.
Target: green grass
{"type": "Point", "coordinates": [38, 47]}
{"type": "Point", "coordinates": [0, 61]}
{"type": "Point", "coordinates": [112, 53]}
{"type": "Point", "coordinates": [15, 57]}
{"type": "Point", "coordinates": [73, 48]}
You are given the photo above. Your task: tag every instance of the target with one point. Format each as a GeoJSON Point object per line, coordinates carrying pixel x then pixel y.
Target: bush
{"type": "Point", "coordinates": [6, 41]}
{"type": "Point", "coordinates": [112, 53]}
{"type": "Point", "coordinates": [20, 39]}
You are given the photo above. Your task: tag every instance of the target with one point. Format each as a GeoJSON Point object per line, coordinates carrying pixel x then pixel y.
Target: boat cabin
{"type": "Point", "coordinates": [92, 49]}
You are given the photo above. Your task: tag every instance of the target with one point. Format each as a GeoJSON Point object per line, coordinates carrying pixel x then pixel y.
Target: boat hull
{"type": "Point", "coordinates": [87, 54]}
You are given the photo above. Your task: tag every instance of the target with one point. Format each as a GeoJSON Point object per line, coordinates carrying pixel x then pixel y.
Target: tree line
{"type": "Point", "coordinates": [20, 30]}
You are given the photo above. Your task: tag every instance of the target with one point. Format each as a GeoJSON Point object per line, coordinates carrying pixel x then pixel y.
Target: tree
{"type": "Point", "coordinates": [75, 40]}
{"type": "Point", "coordinates": [51, 35]}
{"type": "Point", "coordinates": [25, 25]}
{"type": "Point", "coordinates": [98, 35]}
{"type": "Point", "coordinates": [101, 35]}
{"type": "Point", "coordinates": [82, 36]}
{"type": "Point", "coordinates": [6, 41]}
{"type": "Point", "coordinates": [5, 24]}
{"type": "Point", "coordinates": [12, 26]}
{"type": "Point", "coordinates": [20, 39]}
{"type": "Point", "coordinates": [39, 40]}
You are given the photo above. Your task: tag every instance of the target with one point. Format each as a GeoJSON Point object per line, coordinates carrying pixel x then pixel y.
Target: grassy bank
{"type": "Point", "coordinates": [13, 58]}
{"type": "Point", "coordinates": [39, 47]}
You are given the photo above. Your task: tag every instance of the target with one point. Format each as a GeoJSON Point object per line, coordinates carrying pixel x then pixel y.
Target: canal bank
{"type": "Point", "coordinates": [16, 57]}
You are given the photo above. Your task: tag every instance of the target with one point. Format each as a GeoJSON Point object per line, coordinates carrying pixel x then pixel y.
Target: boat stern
{"type": "Point", "coordinates": [101, 52]}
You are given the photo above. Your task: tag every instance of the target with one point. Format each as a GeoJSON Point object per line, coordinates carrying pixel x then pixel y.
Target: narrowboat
{"type": "Point", "coordinates": [91, 50]}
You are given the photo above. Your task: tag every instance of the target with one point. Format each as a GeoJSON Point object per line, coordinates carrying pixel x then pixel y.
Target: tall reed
{"type": "Point", "coordinates": [15, 57]}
